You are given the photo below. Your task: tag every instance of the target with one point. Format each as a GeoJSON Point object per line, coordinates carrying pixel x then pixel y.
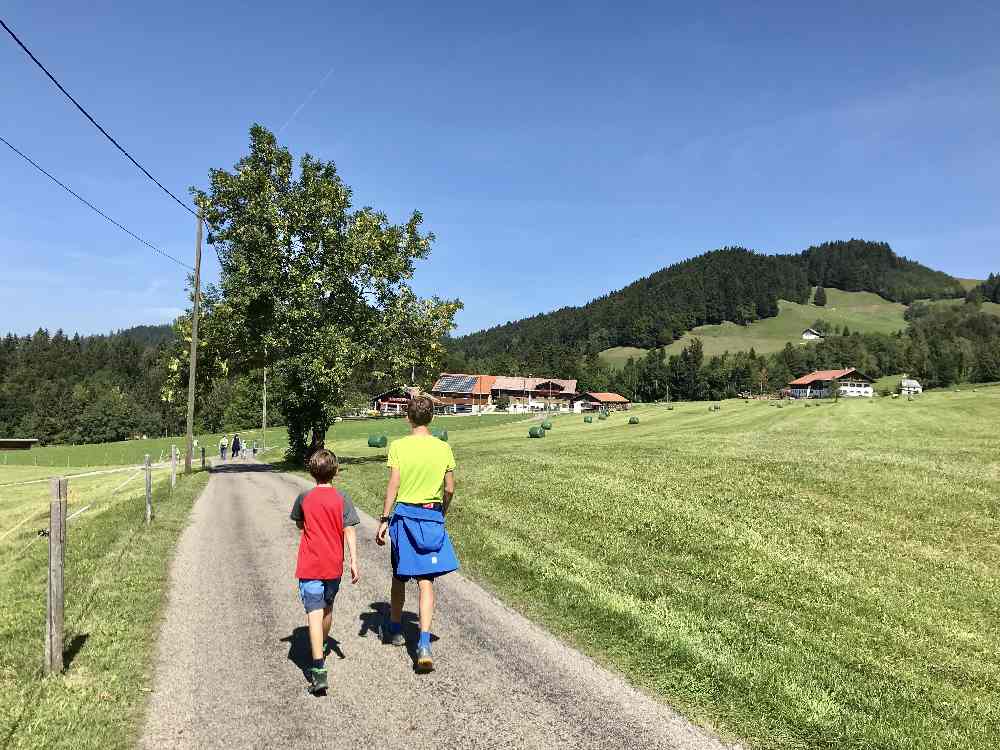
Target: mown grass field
{"type": "Point", "coordinates": [819, 577]}
{"type": "Point", "coordinates": [859, 311]}
{"type": "Point", "coordinates": [125, 452]}
{"type": "Point", "coordinates": [77, 458]}
{"type": "Point", "coordinates": [116, 573]}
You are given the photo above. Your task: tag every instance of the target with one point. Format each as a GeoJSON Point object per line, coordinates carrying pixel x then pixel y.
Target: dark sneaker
{"type": "Point", "coordinates": [393, 639]}
{"type": "Point", "coordinates": [425, 662]}
{"type": "Point", "coordinates": [318, 681]}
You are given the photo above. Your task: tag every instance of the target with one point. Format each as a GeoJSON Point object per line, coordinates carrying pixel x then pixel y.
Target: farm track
{"type": "Point", "coordinates": [228, 668]}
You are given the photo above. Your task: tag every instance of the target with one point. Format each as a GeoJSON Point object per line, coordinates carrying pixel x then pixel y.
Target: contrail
{"type": "Point", "coordinates": [306, 101]}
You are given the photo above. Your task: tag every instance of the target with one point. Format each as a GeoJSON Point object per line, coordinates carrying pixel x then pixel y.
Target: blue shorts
{"type": "Point", "coordinates": [317, 594]}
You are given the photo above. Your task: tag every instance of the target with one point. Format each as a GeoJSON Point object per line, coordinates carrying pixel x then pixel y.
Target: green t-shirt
{"type": "Point", "coordinates": [422, 461]}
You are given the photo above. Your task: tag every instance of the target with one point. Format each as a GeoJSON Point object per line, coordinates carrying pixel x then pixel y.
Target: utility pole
{"type": "Point", "coordinates": [189, 453]}
{"type": "Point", "coordinates": [263, 418]}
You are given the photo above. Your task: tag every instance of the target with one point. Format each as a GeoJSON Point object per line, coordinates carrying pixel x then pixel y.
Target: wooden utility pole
{"type": "Point", "coordinates": [189, 453]}
{"type": "Point", "coordinates": [149, 490]}
{"type": "Point", "coordinates": [263, 420]}
{"type": "Point", "coordinates": [57, 558]}
{"type": "Point", "coordinates": [173, 466]}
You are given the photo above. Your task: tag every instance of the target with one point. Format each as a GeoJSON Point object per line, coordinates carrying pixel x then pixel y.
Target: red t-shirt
{"type": "Point", "coordinates": [324, 512]}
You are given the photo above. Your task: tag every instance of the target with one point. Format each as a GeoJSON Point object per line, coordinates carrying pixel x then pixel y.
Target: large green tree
{"type": "Point", "coordinates": [313, 288]}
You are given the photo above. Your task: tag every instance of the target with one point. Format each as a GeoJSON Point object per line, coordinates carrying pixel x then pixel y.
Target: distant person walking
{"type": "Point", "coordinates": [421, 486]}
{"type": "Point", "coordinates": [223, 444]}
{"type": "Point", "coordinates": [237, 446]}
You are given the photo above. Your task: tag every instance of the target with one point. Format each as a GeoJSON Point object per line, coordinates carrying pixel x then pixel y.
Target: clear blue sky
{"type": "Point", "coordinates": [557, 150]}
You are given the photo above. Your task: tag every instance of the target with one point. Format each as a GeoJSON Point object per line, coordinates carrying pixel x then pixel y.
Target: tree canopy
{"type": "Point", "coordinates": [313, 288]}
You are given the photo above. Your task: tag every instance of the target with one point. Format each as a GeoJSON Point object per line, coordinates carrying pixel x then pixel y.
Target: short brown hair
{"type": "Point", "coordinates": [420, 410]}
{"type": "Point", "coordinates": [323, 465]}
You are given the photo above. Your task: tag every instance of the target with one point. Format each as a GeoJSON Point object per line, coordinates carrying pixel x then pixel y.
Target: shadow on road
{"type": "Point", "coordinates": [376, 621]}
{"type": "Point", "coordinates": [299, 652]}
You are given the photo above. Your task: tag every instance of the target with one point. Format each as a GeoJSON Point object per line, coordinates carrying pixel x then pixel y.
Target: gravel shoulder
{"type": "Point", "coordinates": [233, 645]}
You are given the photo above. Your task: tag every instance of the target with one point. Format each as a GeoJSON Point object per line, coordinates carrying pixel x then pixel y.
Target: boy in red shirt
{"type": "Point", "coordinates": [326, 517]}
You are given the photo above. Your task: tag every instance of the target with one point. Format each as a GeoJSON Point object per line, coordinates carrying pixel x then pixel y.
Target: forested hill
{"type": "Point", "coordinates": [73, 389]}
{"type": "Point", "coordinates": [733, 284]}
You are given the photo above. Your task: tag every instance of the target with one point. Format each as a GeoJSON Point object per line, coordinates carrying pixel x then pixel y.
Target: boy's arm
{"type": "Point", "coordinates": [449, 490]}
{"type": "Point", "coordinates": [297, 515]}
{"type": "Point", "coordinates": [390, 500]}
{"type": "Point", "coordinates": [351, 542]}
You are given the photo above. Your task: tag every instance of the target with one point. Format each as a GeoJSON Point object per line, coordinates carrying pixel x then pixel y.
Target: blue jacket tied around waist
{"type": "Point", "coordinates": [420, 543]}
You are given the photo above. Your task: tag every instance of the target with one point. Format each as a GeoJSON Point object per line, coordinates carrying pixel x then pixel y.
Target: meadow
{"type": "Point", "coordinates": [859, 311]}
{"type": "Point", "coordinates": [814, 576]}
{"type": "Point", "coordinates": [116, 573]}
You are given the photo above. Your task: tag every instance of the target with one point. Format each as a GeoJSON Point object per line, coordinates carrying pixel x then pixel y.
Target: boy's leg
{"type": "Point", "coordinates": [397, 599]}
{"type": "Point", "coordinates": [425, 662]}
{"type": "Point", "coordinates": [426, 604]}
{"type": "Point", "coordinates": [315, 620]}
{"type": "Point", "coordinates": [327, 622]}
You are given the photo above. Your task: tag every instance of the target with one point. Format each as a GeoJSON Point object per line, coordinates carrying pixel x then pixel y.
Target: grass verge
{"type": "Point", "coordinates": [818, 577]}
{"type": "Point", "coordinates": [116, 577]}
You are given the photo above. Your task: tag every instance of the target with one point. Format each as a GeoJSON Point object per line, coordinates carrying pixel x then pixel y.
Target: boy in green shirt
{"type": "Point", "coordinates": [421, 486]}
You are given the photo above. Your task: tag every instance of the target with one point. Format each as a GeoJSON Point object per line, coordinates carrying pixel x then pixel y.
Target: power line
{"type": "Point", "coordinates": [96, 124]}
{"type": "Point", "coordinates": [91, 206]}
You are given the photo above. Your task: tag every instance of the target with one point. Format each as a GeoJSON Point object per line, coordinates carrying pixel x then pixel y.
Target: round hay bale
{"type": "Point", "coordinates": [547, 424]}
{"type": "Point", "coordinates": [633, 420]}
{"type": "Point", "coordinates": [440, 434]}
{"type": "Point", "coordinates": [536, 432]}
{"type": "Point", "coordinates": [588, 420]}
{"type": "Point", "coordinates": [602, 416]}
{"type": "Point", "coordinates": [670, 408]}
{"type": "Point", "coordinates": [377, 441]}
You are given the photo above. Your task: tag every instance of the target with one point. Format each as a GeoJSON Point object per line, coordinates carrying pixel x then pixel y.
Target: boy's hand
{"type": "Point", "coordinates": [355, 573]}
{"type": "Point", "coordinates": [383, 529]}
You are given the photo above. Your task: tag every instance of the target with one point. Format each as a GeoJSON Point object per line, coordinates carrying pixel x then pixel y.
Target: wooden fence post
{"type": "Point", "coordinates": [57, 558]}
{"type": "Point", "coordinates": [149, 490]}
{"type": "Point", "coordinates": [203, 456]}
{"type": "Point", "coordinates": [173, 466]}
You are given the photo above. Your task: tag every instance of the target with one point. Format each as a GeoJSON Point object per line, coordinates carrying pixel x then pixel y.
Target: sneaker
{"type": "Point", "coordinates": [425, 662]}
{"type": "Point", "coordinates": [394, 639]}
{"type": "Point", "coordinates": [318, 681]}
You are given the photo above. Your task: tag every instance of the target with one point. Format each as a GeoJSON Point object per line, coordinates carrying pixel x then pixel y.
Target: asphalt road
{"type": "Point", "coordinates": [233, 644]}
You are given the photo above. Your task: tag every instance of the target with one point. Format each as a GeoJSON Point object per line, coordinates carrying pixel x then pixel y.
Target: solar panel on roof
{"type": "Point", "coordinates": [456, 384]}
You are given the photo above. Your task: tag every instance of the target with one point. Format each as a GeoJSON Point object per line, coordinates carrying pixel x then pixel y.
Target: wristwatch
{"type": "Point", "coordinates": [384, 519]}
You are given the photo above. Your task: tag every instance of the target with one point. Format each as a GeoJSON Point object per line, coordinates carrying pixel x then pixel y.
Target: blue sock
{"type": "Point", "coordinates": [319, 663]}
{"type": "Point", "coordinates": [395, 628]}
{"type": "Point", "coordinates": [425, 639]}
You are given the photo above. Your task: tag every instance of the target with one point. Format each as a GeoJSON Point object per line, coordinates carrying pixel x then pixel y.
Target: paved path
{"type": "Point", "coordinates": [233, 644]}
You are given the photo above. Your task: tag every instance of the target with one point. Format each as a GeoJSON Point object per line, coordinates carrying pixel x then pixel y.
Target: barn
{"type": "Point", "coordinates": [394, 401]}
{"type": "Point", "coordinates": [910, 387]}
{"type": "Point", "coordinates": [820, 384]}
{"type": "Point", "coordinates": [605, 401]}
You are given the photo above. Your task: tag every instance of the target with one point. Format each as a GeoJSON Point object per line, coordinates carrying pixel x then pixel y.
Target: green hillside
{"type": "Point", "coordinates": [859, 311]}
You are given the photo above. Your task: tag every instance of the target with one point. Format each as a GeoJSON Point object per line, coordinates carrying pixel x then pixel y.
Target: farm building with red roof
{"type": "Point", "coordinates": [821, 384]}
{"type": "Point", "coordinates": [607, 401]}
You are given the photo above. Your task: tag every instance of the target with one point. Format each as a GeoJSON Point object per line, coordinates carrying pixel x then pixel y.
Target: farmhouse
{"type": "Point", "coordinates": [819, 384]}
{"type": "Point", "coordinates": [606, 401]}
{"type": "Point", "coordinates": [394, 400]}
{"type": "Point", "coordinates": [811, 334]}
{"type": "Point", "coordinates": [910, 387]}
{"type": "Point", "coordinates": [535, 394]}
{"type": "Point", "coordinates": [460, 393]}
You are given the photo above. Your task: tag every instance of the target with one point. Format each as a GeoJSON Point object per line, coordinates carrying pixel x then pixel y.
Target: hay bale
{"type": "Point", "coordinates": [440, 434]}
{"type": "Point", "coordinates": [547, 424]}
{"type": "Point", "coordinates": [536, 432]}
{"type": "Point", "coordinates": [633, 420]}
{"type": "Point", "coordinates": [602, 416]}
{"type": "Point", "coordinates": [377, 441]}
{"type": "Point", "coordinates": [670, 407]}
{"type": "Point", "coordinates": [588, 420]}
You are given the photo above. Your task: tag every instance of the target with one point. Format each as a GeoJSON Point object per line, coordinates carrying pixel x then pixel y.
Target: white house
{"type": "Point", "coordinates": [819, 384]}
{"type": "Point", "coordinates": [811, 334]}
{"type": "Point", "coordinates": [910, 387]}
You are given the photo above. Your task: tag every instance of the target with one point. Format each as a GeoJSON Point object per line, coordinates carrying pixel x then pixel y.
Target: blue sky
{"type": "Point", "coordinates": [557, 150]}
